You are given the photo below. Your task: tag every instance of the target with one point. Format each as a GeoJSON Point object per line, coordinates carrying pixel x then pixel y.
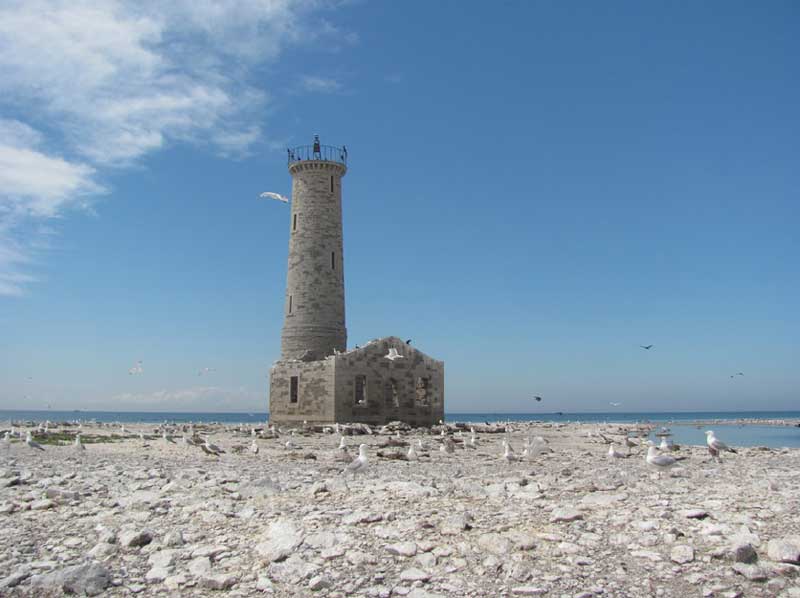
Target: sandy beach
{"type": "Point", "coordinates": [153, 517]}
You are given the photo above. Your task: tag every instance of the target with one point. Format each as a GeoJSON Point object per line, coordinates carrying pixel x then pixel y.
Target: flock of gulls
{"type": "Point", "coordinates": [662, 457]}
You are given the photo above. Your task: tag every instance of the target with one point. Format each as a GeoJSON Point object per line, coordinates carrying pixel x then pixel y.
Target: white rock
{"type": "Point", "coordinates": [414, 574]}
{"type": "Point", "coordinates": [281, 539]}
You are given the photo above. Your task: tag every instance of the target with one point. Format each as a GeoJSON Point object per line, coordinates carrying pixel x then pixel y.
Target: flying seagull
{"type": "Point", "coordinates": [538, 399]}
{"type": "Point", "coordinates": [393, 354]}
{"type": "Point", "coordinates": [646, 347]}
{"type": "Point", "coordinates": [276, 196]}
{"type": "Point", "coordinates": [136, 369]}
{"type": "Point", "coordinates": [408, 342]}
{"type": "Point", "coordinates": [615, 404]}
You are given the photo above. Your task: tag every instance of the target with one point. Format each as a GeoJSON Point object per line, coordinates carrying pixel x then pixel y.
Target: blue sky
{"type": "Point", "coordinates": [535, 190]}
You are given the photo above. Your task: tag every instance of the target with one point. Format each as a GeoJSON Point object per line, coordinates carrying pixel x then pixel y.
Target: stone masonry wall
{"type": "Point", "coordinates": [315, 392]}
{"type": "Point", "coordinates": [314, 308]}
{"type": "Point", "coordinates": [391, 390]}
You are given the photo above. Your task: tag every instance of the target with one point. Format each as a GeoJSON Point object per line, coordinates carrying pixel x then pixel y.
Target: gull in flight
{"type": "Point", "coordinates": [615, 404]}
{"type": "Point", "coordinates": [646, 347]}
{"type": "Point", "coordinates": [32, 443]}
{"type": "Point", "coordinates": [205, 371]}
{"type": "Point", "coordinates": [538, 399]}
{"type": "Point", "coordinates": [136, 369]}
{"type": "Point", "coordinates": [393, 354]}
{"type": "Point", "coordinates": [360, 463]}
{"type": "Point", "coordinates": [276, 196]}
{"type": "Point", "coordinates": [716, 446]}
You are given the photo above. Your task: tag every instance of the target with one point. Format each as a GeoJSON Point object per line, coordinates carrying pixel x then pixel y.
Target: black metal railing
{"type": "Point", "coordinates": [316, 151]}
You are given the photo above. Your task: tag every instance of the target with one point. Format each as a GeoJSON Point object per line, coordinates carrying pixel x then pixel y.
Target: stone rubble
{"type": "Point", "coordinates": [122, 519]}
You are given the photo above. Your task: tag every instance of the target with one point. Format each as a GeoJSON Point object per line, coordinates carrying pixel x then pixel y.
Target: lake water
{"type": "Point", "coordinates": [683, 433]}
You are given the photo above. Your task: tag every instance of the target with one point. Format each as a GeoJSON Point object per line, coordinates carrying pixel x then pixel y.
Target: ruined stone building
{"type": "Point", "coordinates": [317, 379]}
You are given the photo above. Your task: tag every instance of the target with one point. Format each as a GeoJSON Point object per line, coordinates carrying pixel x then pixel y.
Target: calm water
{"type": "Point", "coordinates": [683, 433]}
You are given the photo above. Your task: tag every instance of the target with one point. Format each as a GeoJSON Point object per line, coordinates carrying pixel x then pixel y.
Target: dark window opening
{"type": "Point", "coordinates": [294, 222]}
{"type": "Point", "coordinates": [422, 392]}
{"type": "Point", "coordinates": [361, 390]}
{"type": "Point", "coordinates": [331, 184]}
{"type": "Point", "coordinates": [333, 260]}
{"type": "Point", "coordinates": [390, 393]}
{"type": "Point", "coordinates": [293, 384]}
{"type": "Point", "coordinates": [290, 304]}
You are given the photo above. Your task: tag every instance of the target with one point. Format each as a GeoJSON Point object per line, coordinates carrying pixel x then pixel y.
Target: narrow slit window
{"type": "Point", "coordinates": [422, 398]}
{"type": "Point", "coordinates": [331, 184]}
{"type": "Point", "coordinates": [293, 387]}
{"type": "Point", "coordinates": [290, 304]}
{"type": "Point", "coordinates": [294, 222]}
{"type": "Point", "coordinates": [361, 390]}
{"type": "Point", "coordinates": [390, 394]}
{"type": "Point", "coordinates": [333, 260]}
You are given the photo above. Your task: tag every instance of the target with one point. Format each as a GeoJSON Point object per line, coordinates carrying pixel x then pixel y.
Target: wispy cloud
{"type": "Point", "coordinates": [92, 85]}
{"type": "Point", "coordinates": [314, 84]}
{"type": "Point", "coordinates": [199, 398]}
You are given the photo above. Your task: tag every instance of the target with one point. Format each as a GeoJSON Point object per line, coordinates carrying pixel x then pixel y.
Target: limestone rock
{"type": "Point", "coordinates": [785, 550]}
{"type": "Point", "coordinates": [90, 579]}
{"type": "Point", "coordinates": [134, 538]}
{"type": "Point", "coordinates": [682, 554]}
{"type": "Point", "coordinates": [565, 515]}
{"type": "Point", "coordinates": [281, 539]}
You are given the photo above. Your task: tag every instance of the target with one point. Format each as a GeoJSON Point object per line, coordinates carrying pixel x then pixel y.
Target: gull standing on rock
{"type": "Point", "coordinates": [254, 447]}
{"type": "Point", "coordinates": [662, 462]}
{"type": "Point", "coordinates": [412, 453]}
{"type": "Point", "coordinates": [290, 443]}
{"type": "Point", "coordinates": [613, 453]}
{"type": "Point", "coordinates": [210, 447]}
{"type": "Point", "coordinates": [78, 444]}
{"type": "Point", "coordinates": [716, 446]}
{"type": "Point", "coordinates": [360, 463]}
{"type": "Point", "coordinates": [32, 443]}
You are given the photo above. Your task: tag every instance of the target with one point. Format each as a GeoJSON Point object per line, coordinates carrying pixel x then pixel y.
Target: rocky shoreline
{"type": "Point", "coordinates": [140, 512]}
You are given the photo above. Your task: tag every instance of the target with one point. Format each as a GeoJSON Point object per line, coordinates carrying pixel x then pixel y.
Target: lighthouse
{"type": "Point", "coordinates": [313, 321]}
{"type": "Point", "coordinates": [317, 378]}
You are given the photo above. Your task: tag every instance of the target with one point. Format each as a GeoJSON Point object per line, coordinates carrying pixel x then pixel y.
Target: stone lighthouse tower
{"type": "Point", "coordinates": [317, 379]}
{"type": "Point", "coordinates": [313, 323]}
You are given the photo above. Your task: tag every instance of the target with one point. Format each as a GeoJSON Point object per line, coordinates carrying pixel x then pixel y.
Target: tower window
{"type": "Point", "coordinates": [294, 222]}
{"type": "Point", "coordinates": [423, 400]}
{"type": "Point", "coordinates": [333, 260]}
{"type": "Point", "coordinates": [331, 184]}
{"type": "Point", "coordinates": [293, 385]}
{"type": "Point", "coordinates": [290, 304]}
{"type": "Point", "coordinates": [361, 390]}
{"type": "Point", "coordinates": [390, 395]}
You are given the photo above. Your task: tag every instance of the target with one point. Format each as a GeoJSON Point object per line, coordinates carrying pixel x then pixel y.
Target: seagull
{"type": "Point", "coordinates": [32, 443]}
{"type": "Point", "coordinates": [538, 399]}
{"type": "Point", "coordinates": [205, 371]}
{"type": "Point", "coordinates": [78, 444]}
{"type": "Point", "coordinates": [662, 462]}
{"type": "Point", "coordinates": [208, 446]}
{"type": "Point", "coordinates": [276, 196]}
{"type": "Point", "coordinates": [472, 438]}
{"type": "Point", "coordinates": [167, 437]}
{"type": "Point", "coordinates": [7, 439]}
{"type": "Point", "coordinates": [254, 447]}
{"type": "Point", "coordinates": [646, 347]}
{"type": "Point", "coordinates": [613, 453]}
{"type": "Point", "coordinates": [290, 444]}
{"type": "Point", "coordinates": [408, 341]}
{"type": "Point", "coordinates": [136, 369]}
{"type": "Point", "coordinates": [412, 453]}
{"type": "Point", "coordinates": [615, 404]}
{"type": "Point", "coordinates": [393, 354]}
{"type": "Point", "coordinates": [447, 446]}
{"type": "Point", "coordinates": [508, 453]}
{"type": "Point", "coordinates": [360, 463]}
{"type": "Point", "coordinates": [716, 446]}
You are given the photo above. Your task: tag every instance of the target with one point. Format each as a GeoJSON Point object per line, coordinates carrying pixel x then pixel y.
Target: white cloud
{"type": "Point", "coordinates": [106, 83]}
{"type": "Point", "coordinates": [200, 398]}
{"type": "Point", "coordinates": [319, 84]}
